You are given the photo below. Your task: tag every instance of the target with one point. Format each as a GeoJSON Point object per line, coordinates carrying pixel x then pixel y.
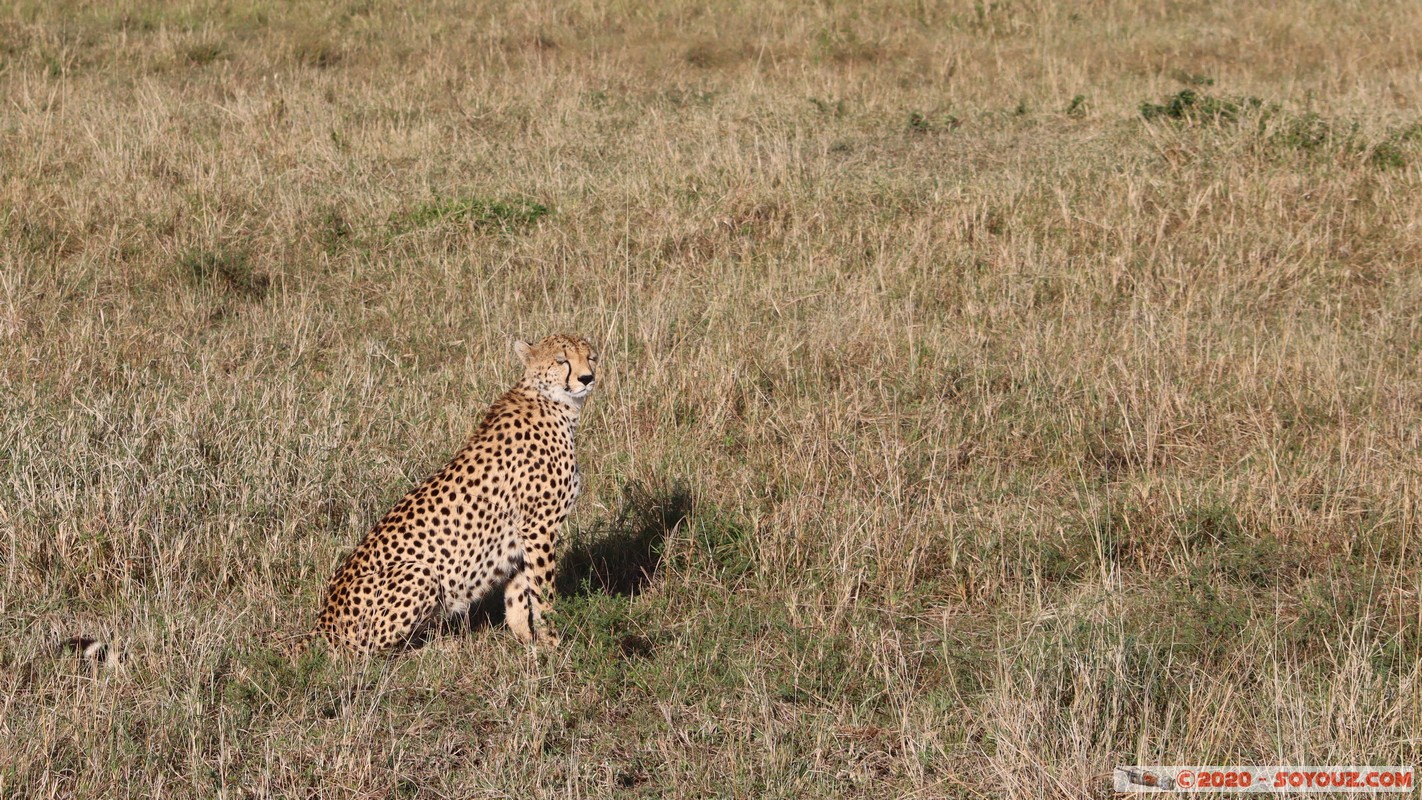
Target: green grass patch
{"type": "Point", "coordinates": [480, 214]}
{"type": "Point", "coordinates": [724, 545]}
{"type": "Point", "coordinates": [228, 271]}
{"type": "Point", "coordinates": [932, 122]}
{"type": "Point", "coordinates": [1309, 133]}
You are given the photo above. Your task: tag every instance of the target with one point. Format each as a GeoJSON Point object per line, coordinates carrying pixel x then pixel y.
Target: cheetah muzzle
{"type": "Point", "coordinates": [491, 517]}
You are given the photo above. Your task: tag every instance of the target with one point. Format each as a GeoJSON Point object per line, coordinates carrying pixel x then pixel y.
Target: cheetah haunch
{"type": "Point", "coordinates": [491, 516]}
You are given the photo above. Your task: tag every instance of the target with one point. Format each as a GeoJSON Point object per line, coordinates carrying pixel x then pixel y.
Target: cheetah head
{"type": "Point", "coordinates": [563, 368]}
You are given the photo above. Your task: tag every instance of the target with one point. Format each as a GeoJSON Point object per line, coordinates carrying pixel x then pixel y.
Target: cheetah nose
{"type": "Point", "coordinates": [585, 379]}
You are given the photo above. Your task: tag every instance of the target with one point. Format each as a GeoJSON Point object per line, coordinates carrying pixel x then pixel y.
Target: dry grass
{"type": "Point", "coordinates": [978, 433]}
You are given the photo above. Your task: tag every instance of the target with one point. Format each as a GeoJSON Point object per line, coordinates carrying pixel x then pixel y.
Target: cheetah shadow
{"type": "Point", "coordinates": [621, 554]}
{"type": "Point", "coordinates": [617, 555]}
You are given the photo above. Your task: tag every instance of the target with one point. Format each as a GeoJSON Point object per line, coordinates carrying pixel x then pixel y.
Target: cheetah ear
{"type": "Point", "coordinates": [522, 349]}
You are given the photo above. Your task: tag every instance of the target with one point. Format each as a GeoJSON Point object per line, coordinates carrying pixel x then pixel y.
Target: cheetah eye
{"type": "Point", "coordinates": [561, 360]}
{"type": "Point", "coordinates": [592, 358]}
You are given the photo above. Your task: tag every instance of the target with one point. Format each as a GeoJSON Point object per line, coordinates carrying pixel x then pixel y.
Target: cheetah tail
{"type": "Point", "coordinates": [92, 651]}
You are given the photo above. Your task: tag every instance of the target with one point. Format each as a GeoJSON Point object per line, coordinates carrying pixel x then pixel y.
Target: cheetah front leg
{"type": "Point", "coordinates": [528, 599]}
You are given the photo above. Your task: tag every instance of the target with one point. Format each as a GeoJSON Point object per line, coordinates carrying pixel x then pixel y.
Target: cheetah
{"type": "Point", "coordinates": [490, 517]}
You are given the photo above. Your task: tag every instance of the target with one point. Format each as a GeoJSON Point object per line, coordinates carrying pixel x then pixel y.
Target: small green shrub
{"type": "Point", "coordinates": [1189, 105]}
{"type": "Point", "coordinates": [203, 53]}
{"type": "Point", "coordinates": [829, 108]}
{"type": "Point", "coordinates": [313, 50]}
{"type": "Point", "coordinates": [1196, 620]}
{"type": "Point", "coordinates": [334, 231]}
{"type": "Point", "coordinates": [1309, 132]}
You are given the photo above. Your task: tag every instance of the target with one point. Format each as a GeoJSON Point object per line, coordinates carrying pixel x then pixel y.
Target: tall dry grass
{"type": "Point", "coordinates": [964, 432]}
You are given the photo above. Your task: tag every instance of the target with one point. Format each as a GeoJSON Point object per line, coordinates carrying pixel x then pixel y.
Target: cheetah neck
{"type": "Point", "coordinates": [566, 410]}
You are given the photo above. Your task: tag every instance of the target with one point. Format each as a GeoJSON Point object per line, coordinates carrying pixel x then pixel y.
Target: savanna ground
{"type": "Point", "coordinates": [993, 392]}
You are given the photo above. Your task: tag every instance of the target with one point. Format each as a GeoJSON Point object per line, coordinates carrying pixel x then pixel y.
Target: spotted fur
{"type": "Point", "coordinates": [490, 517]}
